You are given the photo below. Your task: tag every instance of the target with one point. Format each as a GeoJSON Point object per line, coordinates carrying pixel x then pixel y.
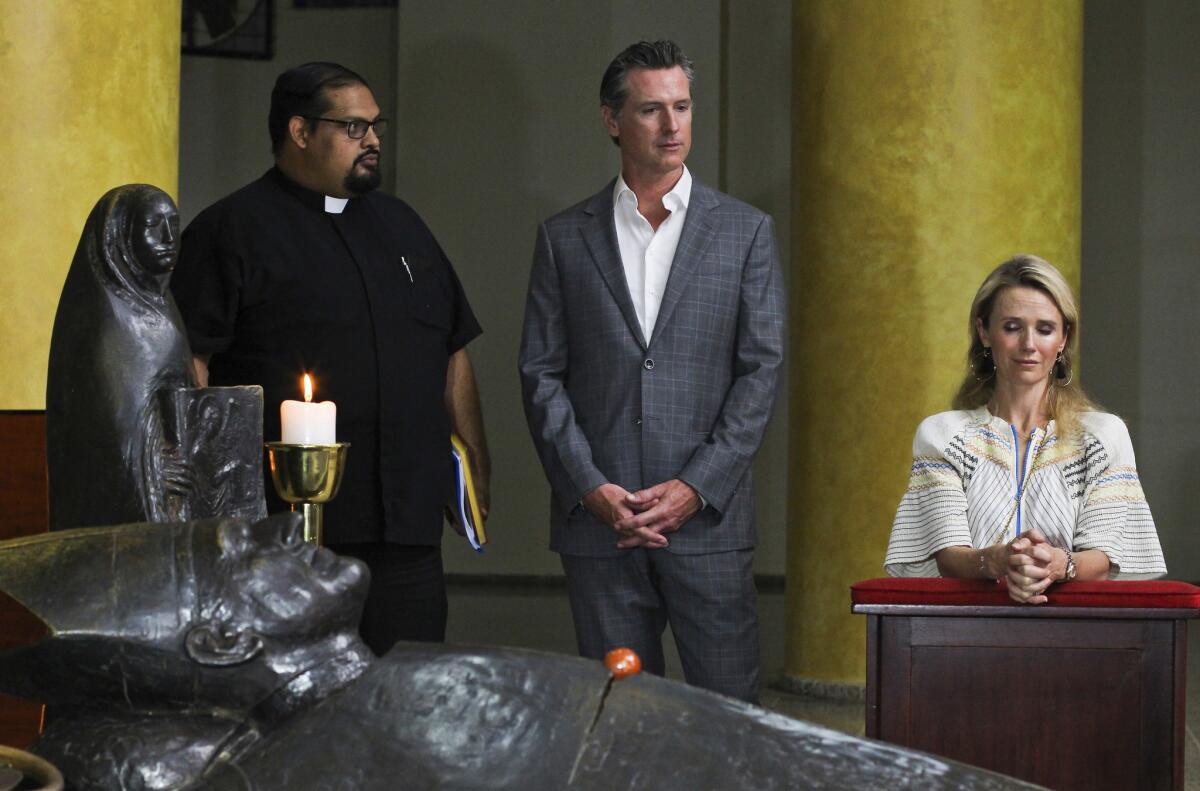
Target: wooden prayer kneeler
{"type": "Point", "coordinates": [1085, 692]}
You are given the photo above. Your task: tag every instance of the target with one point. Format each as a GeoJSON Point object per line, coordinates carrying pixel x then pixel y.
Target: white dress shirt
{"type": "Point", "coordinates": [646, 253]}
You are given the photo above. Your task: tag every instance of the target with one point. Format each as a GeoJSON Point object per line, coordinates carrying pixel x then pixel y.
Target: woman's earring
{"type": "Point", "coordinates": [1061, 371]}
{"type": "Point", "coordinates": [985, 367]}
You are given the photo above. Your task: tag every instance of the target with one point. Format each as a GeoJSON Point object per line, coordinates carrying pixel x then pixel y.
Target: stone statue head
{"type": "Point", "coordinates": [133, 233]}
{"type": "Point", "coordinates": [212, 613]}
{"type": "Point", "coordinates": [153, 231]}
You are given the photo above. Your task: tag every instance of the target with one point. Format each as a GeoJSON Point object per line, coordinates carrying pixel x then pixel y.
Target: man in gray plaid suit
{"type": "Point", "coordinates": [649, 365]}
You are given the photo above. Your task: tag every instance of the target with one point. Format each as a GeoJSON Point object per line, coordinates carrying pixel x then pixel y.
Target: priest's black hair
{"type": "Point", "coordinates": [303, 91]}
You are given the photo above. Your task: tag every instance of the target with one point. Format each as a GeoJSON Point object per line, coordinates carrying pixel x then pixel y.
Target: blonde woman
{"type": "Point", "coordinates": [1026, 479]}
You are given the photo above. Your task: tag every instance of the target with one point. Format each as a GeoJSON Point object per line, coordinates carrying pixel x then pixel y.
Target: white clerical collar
{"type": "Point", "coordinates": [338, 205]}
{"type": "Point", "coordinates": [674, 200]}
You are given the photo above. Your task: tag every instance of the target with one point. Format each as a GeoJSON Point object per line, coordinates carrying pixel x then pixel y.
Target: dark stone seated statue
{"type": "Point", "coordinates": [220, 654]}
{"type": "Point", "coordinates": [129, 436]}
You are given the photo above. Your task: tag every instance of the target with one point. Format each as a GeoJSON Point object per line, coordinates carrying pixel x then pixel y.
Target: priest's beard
{"type": "Point", "coordinates": [362, 181]}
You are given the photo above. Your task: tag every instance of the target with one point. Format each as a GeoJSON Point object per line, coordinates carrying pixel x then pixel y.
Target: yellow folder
{"type": "Point", "coordinates": [464, 506]}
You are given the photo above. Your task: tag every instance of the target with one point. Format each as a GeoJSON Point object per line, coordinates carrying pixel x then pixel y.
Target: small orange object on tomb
{"type": "Point", "coordinates": [623, 662]}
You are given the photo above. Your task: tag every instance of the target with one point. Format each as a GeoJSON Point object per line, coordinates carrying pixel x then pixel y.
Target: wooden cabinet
{"type": "Point", "coordinates": [1069, 697]}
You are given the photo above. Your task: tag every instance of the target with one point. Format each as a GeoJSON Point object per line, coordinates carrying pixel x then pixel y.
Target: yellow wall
{"type": "Point", "coordinates": [91, 101]}
{"type": "Point", "coordinates": [932, 140]}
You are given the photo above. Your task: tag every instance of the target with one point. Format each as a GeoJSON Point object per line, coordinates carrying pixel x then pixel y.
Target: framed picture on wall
{"type": "Point", "coordinates": [229, 28]}
{"type": "Point", "coordinates": [345, 3]}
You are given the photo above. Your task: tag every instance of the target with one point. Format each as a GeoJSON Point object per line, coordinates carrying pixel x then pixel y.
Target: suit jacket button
{"type": "Point", "coordinates": [649, 364]}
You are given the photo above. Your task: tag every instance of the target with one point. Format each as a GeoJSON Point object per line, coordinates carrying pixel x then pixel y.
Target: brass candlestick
{"type": "Point", "coordinates": [308, 476]}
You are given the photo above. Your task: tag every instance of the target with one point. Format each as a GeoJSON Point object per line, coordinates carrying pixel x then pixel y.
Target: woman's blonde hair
{"type": "Point", "coordinates": [1065, 398]}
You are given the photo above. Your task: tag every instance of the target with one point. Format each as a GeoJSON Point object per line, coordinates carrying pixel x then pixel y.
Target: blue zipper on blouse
{"type": "Point", "coordinates": [1021, 472]}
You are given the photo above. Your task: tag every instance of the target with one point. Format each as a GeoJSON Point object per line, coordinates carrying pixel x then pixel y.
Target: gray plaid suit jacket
{"type": "Point", "coordinates": [605, 404]}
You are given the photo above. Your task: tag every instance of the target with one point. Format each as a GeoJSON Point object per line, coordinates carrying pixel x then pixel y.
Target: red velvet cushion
{"type": "Point", "coordinates": [1104, 593]}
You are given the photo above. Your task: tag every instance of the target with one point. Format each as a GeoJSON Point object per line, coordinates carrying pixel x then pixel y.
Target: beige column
{"type": "Point", "coordinates": [91, 101]}
{"type": "Point", "coordinates": [932, 140]}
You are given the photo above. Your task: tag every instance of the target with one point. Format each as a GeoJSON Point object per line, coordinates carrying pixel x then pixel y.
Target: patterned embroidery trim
{"type": "Point", "coordinates": [956, 451]}
{"type": "Point", "coordinates": [1117, 484]}
{"type": "Point", "coordinates": [987, 444]}
{"type": "Point", "coordinates": [1051, 453]}
{"type": "Point", "coordinates": [1080, 473]}
{"type": "Point", "coordinates": [932, 473]}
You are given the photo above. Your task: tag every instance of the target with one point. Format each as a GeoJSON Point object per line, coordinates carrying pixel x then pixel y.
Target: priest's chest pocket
{"type": "Point", "coordinates": [430, 305]}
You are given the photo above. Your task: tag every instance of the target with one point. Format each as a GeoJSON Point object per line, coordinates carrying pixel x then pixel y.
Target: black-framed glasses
{"type": "Point", "coordinates": [356, 130]}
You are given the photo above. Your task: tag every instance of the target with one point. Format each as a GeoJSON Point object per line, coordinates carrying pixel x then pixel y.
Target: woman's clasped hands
{"type": "Point", "coordinates": [1033, 565]}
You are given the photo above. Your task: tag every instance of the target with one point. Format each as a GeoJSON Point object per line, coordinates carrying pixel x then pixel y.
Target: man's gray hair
{"type": "Point", "coordinates": [663, 54]}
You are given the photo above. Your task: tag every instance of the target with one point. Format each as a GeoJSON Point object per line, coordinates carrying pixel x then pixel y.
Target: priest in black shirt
{"type": "Point", "coordinates": [309, 270]}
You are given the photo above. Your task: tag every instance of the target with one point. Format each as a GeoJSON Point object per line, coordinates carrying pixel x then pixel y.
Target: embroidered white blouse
{"type": "Point", "coordinates": [965, 489]}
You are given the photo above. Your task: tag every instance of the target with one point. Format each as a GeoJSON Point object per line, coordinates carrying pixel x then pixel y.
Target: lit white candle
{"type": "Point", "coordinates": [306, 423]}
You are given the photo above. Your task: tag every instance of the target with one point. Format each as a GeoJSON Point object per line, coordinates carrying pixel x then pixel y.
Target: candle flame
{"type": "Point", "coordinates": [308, 388]}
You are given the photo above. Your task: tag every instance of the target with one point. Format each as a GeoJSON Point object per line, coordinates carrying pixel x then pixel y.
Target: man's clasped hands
{"type": "Point", "coordinates": [643, 518]}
